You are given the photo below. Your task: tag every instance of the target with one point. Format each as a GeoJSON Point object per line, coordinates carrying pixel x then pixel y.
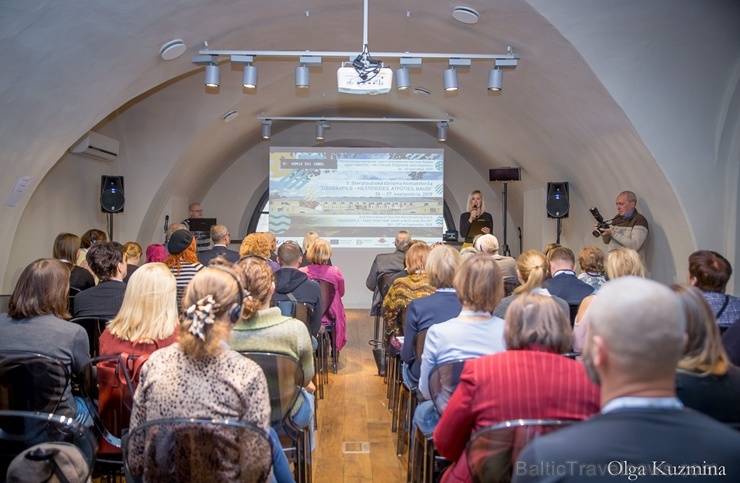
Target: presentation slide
{"type": "Point", "coordinates": [356, 197]}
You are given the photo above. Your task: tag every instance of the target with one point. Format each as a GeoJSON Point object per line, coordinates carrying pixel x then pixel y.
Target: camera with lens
{"type": "Point", "coordinates": [601, 223]}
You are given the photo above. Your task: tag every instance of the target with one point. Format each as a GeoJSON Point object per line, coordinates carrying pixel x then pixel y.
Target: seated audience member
{"type": "Point", "coordinates": [318, 255]}
{"type": "Point", "coordinates": [488, 244]}
{"type": "Point", "coordinates": [387, 263]}
{"type": "Point", "coordinates": [422, 313]}
{"type": "Point", "coordinates": [132, 257]}
{"type": "Point", "coordinates": [564, 283]}
{"type": "Point", "coordinates": [705, 379]}
{"type": "Point", "coordinates": [475, 332]}
{"type": "Point", "coordinates": [731, 342]}
{"type": "Point", "coordinates": [35, 322]}
{"type": "Point", "coordinates": [310, 237]}
{"type": "Point", "coordinates": [264, 328]}
{"type": "Point", "coordinates": [403, 291]}
{"type": "Point", "coordinates": [156, 253]}
{"type": "Point", "coordinates": [221, 239]}
{"type": "Point", "coordinates": [148, 318]}
{"type": "Point", "coordinates": [632, 353]}
{"type": "Point", "coordinates": [66, 250]}
{"type": "Point", "coordinates": [105, 299]}
{"type": "Point", "coordinates": [530, 380]}
{"type": "Point", "coordinates": [620, 262]}
{"type": "Point", "coordinates": [172, 229]}
{"type": "Point", "coordinates": [591, 261]}
{"type": "Point", "coordinates": [531, 270]}
{"type": "Point", "coordinates": [709, 272]}
{"type": "Point", "coordinates": [200, 376]}
{"type": "Point", "coordinates": [87, 240]}
{"type": "Point", "coordinates": [257, 244]}
{"type": "Point", "coordinates": [182, 261]}
{"type": "Point", "coordinates": [291, 281]}
{"type": "Point", "coordinates": [467, 252]}
{"type": "Point", "coordinates": [272, 240]}
{"type": "Point", "coordinates": [402, 273]}
{"type": "Point", "coordinates": [547, 251]}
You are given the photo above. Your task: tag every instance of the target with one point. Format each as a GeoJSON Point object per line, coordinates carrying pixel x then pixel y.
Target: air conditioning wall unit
{"type": "Point", "coordinates": [97, 146]}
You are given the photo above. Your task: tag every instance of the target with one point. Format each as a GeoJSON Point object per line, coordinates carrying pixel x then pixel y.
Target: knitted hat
{"type": "Point", "coordinates": [68, 458]}
{"type": "Point", "coordinates": [179, 242]}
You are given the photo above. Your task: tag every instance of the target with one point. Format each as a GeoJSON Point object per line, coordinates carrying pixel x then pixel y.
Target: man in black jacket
{"type": "Point", "coordinates": [291, 281]}
{"type": "Point", "coordinates": [387, 263]}
{"type": "Point", "coordinates": [103, 300]}
{"type": "Point", "coordinates": [221, 239]}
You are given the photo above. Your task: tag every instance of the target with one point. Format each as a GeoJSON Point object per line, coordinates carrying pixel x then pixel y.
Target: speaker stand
{"type": "Point", "coordinates": [110, 226]}
{"type": "Point", "coordinates": [559, 228]}
{"type": "Point", "coordinates": [505, 246]}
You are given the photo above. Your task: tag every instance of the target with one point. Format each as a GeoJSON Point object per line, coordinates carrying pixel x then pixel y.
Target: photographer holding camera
{"type": "Point", "coordinates": [628, 229]}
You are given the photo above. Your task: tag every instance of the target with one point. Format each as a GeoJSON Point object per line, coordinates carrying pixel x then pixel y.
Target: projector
{"type": "Point", "coordinates": [350, 82]}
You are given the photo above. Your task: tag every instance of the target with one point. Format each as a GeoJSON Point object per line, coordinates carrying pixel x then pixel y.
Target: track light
{"type": "Point", "coordinates": [495, 79]}
{"type": "Point", "coordinates": [213, 75]}
{"type": "Point", "coordinates": [442, 131]}
{"type": "Point", "coordinates": [249, 80]}
{"type": "Point", "coordinates": [320, 127]}
{"type": "Point", "coordinates": [266, 128]}
{"type": "Point", "coordinates": [403, 80]}
{"type": "Point", "coordinates": [302, 79]}
{"type": "Point", "coordinates": [450, 79]}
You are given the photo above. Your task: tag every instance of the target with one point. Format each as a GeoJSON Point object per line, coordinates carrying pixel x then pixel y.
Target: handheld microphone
{"type": "Point", "coordinates": [166, 222]}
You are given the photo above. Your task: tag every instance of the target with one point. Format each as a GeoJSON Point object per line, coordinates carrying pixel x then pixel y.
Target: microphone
{"type": "Point", "coordinates": [166, 222]}
{"type": "Point", "coordinates": [475, 207]}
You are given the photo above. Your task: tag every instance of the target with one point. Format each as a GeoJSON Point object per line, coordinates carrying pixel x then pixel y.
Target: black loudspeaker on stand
{"type": "Point", "coordinates": [112, 198]}
{"type": "Point", "coordinates": [558, 203]}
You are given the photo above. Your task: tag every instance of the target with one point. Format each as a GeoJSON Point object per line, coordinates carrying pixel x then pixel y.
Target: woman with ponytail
{"type": "Point", "coordinates": [531, 269]}
{"type": "Point", "coordinates": [201, 377]}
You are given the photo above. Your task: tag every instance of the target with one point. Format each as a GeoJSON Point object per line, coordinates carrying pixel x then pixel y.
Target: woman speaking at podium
{"type": "Point", "coordinates": [476, 221]}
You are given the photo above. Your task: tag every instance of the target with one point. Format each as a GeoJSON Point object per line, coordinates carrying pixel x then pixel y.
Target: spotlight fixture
{"type": "Point", "coordinates": [495, 79]}
{"type": "Point", "coordinates": [266, 128]}
{"type": "Point", "coordinates": [450, 75]}
{"type": "Point", "coordinates": [213, 73]}
{"type": "Point", "coordinates": [403, 80]}
{"type": "Point", "coordinates": [320, 127]}
{"type": "Point", "coordinates": [302, 74]}
{"type": "Point", "coordinates": [249, 80]}
{"type": "Point", "coordinates": [442, 131]}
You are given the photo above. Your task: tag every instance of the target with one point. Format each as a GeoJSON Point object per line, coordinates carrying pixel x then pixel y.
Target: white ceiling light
{"type": "Point", "coordinates": [172, 49]}
{"type": "Point", "coordinates": [464, 14]}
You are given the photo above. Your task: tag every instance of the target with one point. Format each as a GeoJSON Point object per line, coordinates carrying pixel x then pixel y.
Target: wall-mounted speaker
{"type": "Point", "coordinates": [558, 200]}
{"type": "Point", "coordinates": [111, 194]}
{"type": "Point", "coordinates": [505, 174]}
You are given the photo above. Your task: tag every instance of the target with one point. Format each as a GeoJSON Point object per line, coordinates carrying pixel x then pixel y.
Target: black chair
{"type": "Point", "coordinates": [327, 296]}
{"type": "Point", "coordinates": [106, 386]}
{"type": "Point", "coordinates": [94, 326]}
{"type": "Point", "coordinates": [196, 450]}
{"type": "Point", "coordinates": [58, 437]}
{"type": "Point", "coordinates": [572, 355]}
{"type": "Point", "coordinates": [31, 382]}
{"type": "Point", "coordinates": [284, 376]}
{"type": "Point", "coordinates": [427, 464]}
{"type": "Point", "coordinates": [492, 451]}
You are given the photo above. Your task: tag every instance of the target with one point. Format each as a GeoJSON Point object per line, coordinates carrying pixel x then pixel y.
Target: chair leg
{"type": "Point", "coordinates": [404, 399]}
{"type": "Point", "coordinates": [335, 355]}
{"type": "Point", "coordinates": [418, 459]}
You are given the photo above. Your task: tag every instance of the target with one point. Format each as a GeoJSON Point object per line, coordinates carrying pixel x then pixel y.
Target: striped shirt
{"type": "Point", "coordinates": [187, 272]}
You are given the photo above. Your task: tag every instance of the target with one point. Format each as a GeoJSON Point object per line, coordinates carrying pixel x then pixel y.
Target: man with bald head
{"type": "Point", "coordinates": [643, 432]}
{"type": "Point", "coordinates": [629, 228]}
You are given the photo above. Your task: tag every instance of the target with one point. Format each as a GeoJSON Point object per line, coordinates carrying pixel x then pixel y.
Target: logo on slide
{"type": "Point", "coordinates": [279, 223]}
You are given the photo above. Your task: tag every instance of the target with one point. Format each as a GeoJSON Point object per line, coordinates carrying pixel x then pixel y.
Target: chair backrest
{"type": "Point", "coordinates": [62, 443]}
{"type": "Point", "coordinates": [419, 340]}
{"type": "Point", "coordinates": [509, 285]}
{"type": "Point", "coordinates": [443, 381]}
{"type": "Point", "coordinates": [298, 310]}
{"type": "Point", "coordinates": [492, 451]}
{"type": "Point", "coordinates": [197, 450]}
{"type": "Point", "coordinates": [327, 297]}
{"type": "Point", "coordinates": [31, 382]}
{"type": "Point", "coordinates": [383, 279]}
{"type": "Point", "coordinates": [284, 381]}
{"type": "Point", "coordinates": [106, 386]}
{"type": "Point", "coordinates": [94, 326]}
{"type": "Point", "coordinates": [572, 355]}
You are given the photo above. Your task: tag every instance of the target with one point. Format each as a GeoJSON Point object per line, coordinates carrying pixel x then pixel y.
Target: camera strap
{"type": "Point", "coordinates": [724, 306]}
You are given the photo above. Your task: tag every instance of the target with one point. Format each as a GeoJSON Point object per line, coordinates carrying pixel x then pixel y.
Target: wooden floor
{"type": "Point", "coordinates": [354, 440]}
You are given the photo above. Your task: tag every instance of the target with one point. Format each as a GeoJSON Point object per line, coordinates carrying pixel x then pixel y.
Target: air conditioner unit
{"type": "Point", "coordinates": [97, 146]}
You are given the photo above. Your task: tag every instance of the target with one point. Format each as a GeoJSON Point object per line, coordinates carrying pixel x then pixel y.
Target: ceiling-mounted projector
{"type": "Point", "coordinates": [350, 81]}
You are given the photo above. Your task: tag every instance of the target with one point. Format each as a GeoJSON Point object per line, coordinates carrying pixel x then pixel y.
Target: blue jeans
{"type": "Point", "coordinates": [304, 417]}
{"type": "Point", "coordinates": [426, 417]}
{"type": "Point", "coordinates": [83, 415]}
{"type": "Point", "coordinates": [280, 467]}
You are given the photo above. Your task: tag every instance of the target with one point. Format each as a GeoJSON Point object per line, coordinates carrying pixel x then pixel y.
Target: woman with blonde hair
{"type": "Point", "coordinates": [319, 270]}
{"type": "Point", "coordinates": [620, 262]}
{"type": "Point", "coordinates": [131, 256]}
{"type": "Point", "coordinates": [591, 260]}
{"type": "Point", "coordinates": [308, 240]}
{"type": "Point", "coordinates": [531, 270]}
{"type": "Point", "coordinates": [183, 260]}
{"type": "Point", "coordinates": [201, 377]}
{"type": "Point", "coordinates": [66, 250]}
{"type": "Point", "coordinates": [264, 328]}
{"type": "Point", "coordinates": [475, 217]}
{"type": "Point", "coordinates": [148, 318]}
{"type": "Point", "coordinates": [403, 290]}
{"type": "Point", "coordinates": [706, 380]}
{"type": "Point", "coordinates": [530, 380]}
